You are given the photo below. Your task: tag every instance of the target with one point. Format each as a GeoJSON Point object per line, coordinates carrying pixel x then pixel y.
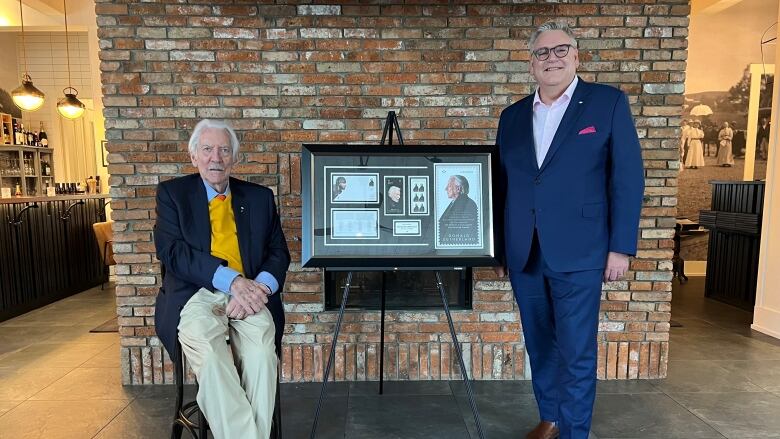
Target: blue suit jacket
{"type": "Point", "coordinates": [182, 237]}
{"type": "Point", "coordinates": [586, 198]}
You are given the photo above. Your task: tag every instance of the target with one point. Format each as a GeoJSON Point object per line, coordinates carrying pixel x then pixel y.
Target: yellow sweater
{"type": "Point", "coordinates": [224, 238]}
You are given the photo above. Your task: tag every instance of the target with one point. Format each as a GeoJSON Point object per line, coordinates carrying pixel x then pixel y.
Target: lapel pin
{"type": "Point", "coordinates": [241, 209]}
{"type": "Point", "coordinates": [580, 102]}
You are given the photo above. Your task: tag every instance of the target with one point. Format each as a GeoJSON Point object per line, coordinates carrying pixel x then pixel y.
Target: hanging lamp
{"type": "Point", "coordinates": [69, 106]}
{"type": "Point", "coordinates": [26, 96]}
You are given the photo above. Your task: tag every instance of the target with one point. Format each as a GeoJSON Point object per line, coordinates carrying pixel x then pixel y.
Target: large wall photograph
{"type": "Point", "coordinates": [722, 44]}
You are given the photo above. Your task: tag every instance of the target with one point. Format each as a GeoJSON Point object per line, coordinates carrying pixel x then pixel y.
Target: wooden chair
{"type": "Point", "coordinates": [104, 235]}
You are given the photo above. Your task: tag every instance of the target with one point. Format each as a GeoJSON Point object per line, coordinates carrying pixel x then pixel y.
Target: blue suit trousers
{"type": "Point", "coordinates": [560, 314]}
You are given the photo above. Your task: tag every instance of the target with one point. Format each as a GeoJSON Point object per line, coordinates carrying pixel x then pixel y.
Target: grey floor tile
{"type": "Point", "coordinates": [720, 347]}
{"type": "Point", "coordinates": [404, 417]}
{"type": "Point", "coordinates": [736, 415]}
{"type": "Point", "coordinates": [85, 383]}
{"type": "Point", "coordinates": [763, 373]}
{"type": "Point", "coordinates": [164, 392]}
{"type": "Point", "coordinates": [501, 387]}
{"type": "Point", "coordinates": [108, 357]}
{"type": "Point", "coordinates": [81, 334]}
{"type": "Point", "coordinates": [28, 335]}
{"type": "Point", "coordinates": [625, 386]}
{"type": "Point", "coordinates": [647, 415]}
{"type": "Point", "coordinates": [298, 415]}
{"type": "Point", "coordinates": [503, 416]}
{"type": "Point", "coordinates": [18, 384]}
{"type": "Point", "coordinates": [142, 419]}
{"type": "Point", "coordinates": [51, 355]}
{"type": "Point", "coordinates": [58, 419]}
{"type": "Point", "coordinates": [6, 406]}
{"type": "Point", "coordinates": [9, 347]}
{"type": "Point", "coordinates": [703, 376]}
{"type": "Point", "coordinates": [402, 388]}
{"type": "Point", "coordinates": [312, 390]}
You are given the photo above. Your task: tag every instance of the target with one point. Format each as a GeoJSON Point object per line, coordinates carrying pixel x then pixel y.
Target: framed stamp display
{"type": "Point", "coordinates": [373, 206]}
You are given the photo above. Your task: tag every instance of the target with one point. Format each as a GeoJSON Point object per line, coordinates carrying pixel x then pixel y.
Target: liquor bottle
{"type": "Point", "coordinates": [18, 192]}
{"type": "Point", "coordinates": [43, 138]}
{"type": "Point", "coordinates": [6, 134]}
{"type": "Point", "coordinates": [30, 138]}
{"type": "Point", "coordinates": [97, 184]}
{"type": "Point", "coordinates": [19, 134]}
{"type": "Point", "coordinates": [36, 139]}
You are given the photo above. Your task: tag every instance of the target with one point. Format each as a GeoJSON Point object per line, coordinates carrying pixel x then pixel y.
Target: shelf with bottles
{"type": "Point", "coordinates": [26, 170]}
{"type": "Point", "coordinates": [15, 133]}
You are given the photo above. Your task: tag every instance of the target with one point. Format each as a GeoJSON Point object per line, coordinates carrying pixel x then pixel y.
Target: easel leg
{"type": "Point", "coordinates": [382, 338]}
{"type": "Point", "coordinates": [466, 379]}
{"type": "Point", "coordinates": [332, 355]}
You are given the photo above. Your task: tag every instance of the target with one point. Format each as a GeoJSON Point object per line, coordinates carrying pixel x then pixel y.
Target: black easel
{"type": "Point", "coordinates": [391, 124]}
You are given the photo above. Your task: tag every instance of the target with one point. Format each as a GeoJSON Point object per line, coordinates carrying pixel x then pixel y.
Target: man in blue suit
{"type": "Point", "coordinates": [225, 255]}
{"type": "Point", "coordinates": [571, 169]}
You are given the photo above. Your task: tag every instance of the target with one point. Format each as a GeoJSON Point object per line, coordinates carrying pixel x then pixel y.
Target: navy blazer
{"type": "Point", "coordinates": [182, 237]}
{"type": "Point", "coordinates": [586, 198]}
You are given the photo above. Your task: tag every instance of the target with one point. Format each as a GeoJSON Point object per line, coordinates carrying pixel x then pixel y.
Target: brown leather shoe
{"type": "Point", "coordinates": [545, 430]}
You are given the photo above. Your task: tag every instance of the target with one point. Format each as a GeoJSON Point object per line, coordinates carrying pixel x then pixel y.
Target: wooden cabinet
{"type": "Point", "coordinates": [734, 222]}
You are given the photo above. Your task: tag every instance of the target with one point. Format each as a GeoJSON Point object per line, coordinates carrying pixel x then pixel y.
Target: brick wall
{"type": "Point", "coordinates": [287, 74]}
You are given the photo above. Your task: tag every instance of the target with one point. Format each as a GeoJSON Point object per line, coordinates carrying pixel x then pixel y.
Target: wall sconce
{"type": "Point", "coordinates": [26, 96]}
{"type": "Point", "coordinates": [70, 106]}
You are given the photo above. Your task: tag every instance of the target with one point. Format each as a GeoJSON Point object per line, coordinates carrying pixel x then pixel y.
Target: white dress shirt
{"type": "Point", "coordinates": [547, 118]}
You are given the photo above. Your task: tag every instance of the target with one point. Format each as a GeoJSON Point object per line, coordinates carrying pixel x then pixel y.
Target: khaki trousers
{"type": "Point", "coordinates": [237, 390]}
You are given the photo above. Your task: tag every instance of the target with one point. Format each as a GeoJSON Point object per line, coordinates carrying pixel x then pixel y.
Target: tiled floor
{"type": "Point", "coordinates": [57, 380]}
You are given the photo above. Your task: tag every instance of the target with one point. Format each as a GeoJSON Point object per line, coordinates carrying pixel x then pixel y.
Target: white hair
{"type": "Point", "coordinates": [462, 183]}
{"type": "Point", "coordinates": [212, 124]}
{"type": "Point", "coordinates": [548, 26]}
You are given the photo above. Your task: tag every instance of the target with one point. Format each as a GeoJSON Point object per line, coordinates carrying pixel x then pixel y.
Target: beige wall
{"type": "Point", "coordinates": [766, 315]}
{"type": "Point", "coordinates": [9, 77]}
{"type": "Point", "coordinates": [723, 42]}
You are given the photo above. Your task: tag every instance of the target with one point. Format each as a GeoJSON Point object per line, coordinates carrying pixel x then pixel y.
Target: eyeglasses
{"type": "Point", "coordinates": [543, 53]}
{"type": "Point", "coordinates": [223, 151]}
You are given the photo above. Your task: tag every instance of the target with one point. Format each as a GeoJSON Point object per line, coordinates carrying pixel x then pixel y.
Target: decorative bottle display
{"type": "Point", "coordinates": [44, 140]}
{"type": "Point", "coordinates": [6, 134]}
{"type": "Point", "coordinates": [18, 192]}
{"type": "Point", "coordinates": [19, 139]}
{"type": "Point", "coordinates": [30, 138]}
{"type": "Point", "coordinates": [91, 185]}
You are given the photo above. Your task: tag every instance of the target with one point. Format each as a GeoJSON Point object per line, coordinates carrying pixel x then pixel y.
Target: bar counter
{"type": "Point", "coordinates": [48, 250]}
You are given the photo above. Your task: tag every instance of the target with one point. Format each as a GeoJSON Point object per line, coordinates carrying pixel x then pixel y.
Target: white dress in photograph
{"type": "Point", "coordinates": [695, 156]}
{"type": "Point", "coordinates": [725, 156]}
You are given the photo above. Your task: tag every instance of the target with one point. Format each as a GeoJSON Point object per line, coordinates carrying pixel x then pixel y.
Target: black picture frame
{"type": "Point", "coordinates": [398, 207]}
{"type": "Point", "coordinates": [103, 145]}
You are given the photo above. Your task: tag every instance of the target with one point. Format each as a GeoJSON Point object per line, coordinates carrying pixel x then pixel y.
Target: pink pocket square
{"type": "Point", "coordinates": [589, 130]}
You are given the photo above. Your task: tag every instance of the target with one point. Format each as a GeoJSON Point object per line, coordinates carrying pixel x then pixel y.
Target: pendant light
{"type": "Point", "coordinates": [70, 106]}
{"type": "Point", "coordinates": [26, 96]}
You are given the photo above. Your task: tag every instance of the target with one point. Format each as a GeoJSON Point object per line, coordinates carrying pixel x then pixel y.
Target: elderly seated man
{"type": "Point", "coordinates": [221, 243]}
